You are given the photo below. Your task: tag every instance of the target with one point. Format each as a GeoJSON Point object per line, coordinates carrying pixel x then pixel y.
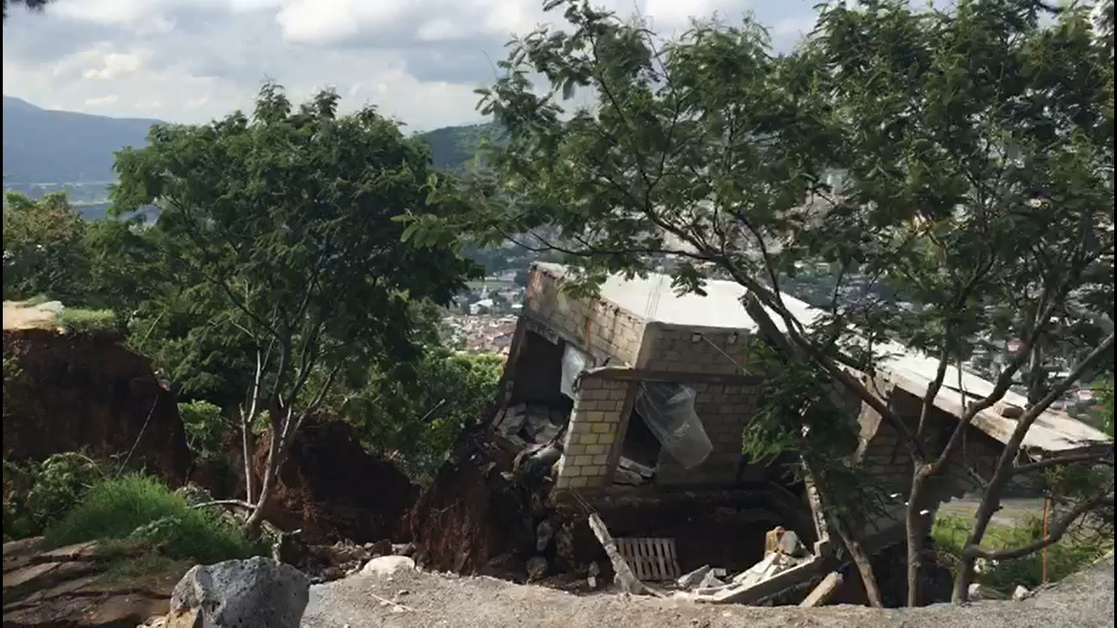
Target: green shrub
{"type": "Point", "coordinates": [1064, 558]}
{"type": "Point", "coordinates": [38, 494]}
{"type": "Point", "coordinates": [205, 426]}
{"type": "Point", "coordinates": [81, 320]}
{"type": "Point", "coordinates": [141, 508]}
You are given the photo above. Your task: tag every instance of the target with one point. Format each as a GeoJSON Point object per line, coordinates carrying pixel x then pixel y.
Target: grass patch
{"type": "Point", "coordinates": [1068, 556]}
{"type": "Point", "coordinates": [139, 508]}
{"type": "Point", "coordinates": [34, 301]}
{"type": "Point", "coordinates": [83, 320]}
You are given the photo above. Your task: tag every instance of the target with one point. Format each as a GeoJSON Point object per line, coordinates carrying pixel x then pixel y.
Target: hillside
{"type": "Point", "coordinates": [453, 146]}
{"type": "Point", "coordinates": [44, 148]}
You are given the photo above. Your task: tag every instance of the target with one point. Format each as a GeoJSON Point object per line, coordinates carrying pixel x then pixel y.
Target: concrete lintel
{"type": "Point", "coordinates": [651, 375]}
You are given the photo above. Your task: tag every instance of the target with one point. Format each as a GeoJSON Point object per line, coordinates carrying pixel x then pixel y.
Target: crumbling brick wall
{"type": "Point", "coordinates": [724, 409]}
{"type": "Point", "coordinates": [597, 327]}
{"type": "Point", "coordinates": [592, 434]}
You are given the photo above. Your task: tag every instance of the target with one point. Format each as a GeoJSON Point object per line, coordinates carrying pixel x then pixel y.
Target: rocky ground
{"type": "Point", "coordinates": [411, 599]}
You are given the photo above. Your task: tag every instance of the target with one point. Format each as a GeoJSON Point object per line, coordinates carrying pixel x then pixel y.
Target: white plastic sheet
{"type": "Point", "coordinates": [574, 362]}
{"type": "Point", "coordinates": [668, 410]}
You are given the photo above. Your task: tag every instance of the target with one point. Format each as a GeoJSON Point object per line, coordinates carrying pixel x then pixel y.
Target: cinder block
{"type": "Point", "coordinates": [578, 450]}
{"type": "Point", "coordinates": [571, 471]}
{"type": "Point", "coordinates": [601, 459]}
{"type": "Point", "coordinates": [579, 482]}
{"type": "Point", "coordinates": [593, 450]}
{"type": "Point", "coordinates": [607, 439]}
{"type": "Point", "coordinates": [596, 416]}
{"type": "Point", "coordinates": [590, 439]}
{"type": "Point", "coordinates": [583, 460]}
{"type": "Point", "coordinates": [601, 428]}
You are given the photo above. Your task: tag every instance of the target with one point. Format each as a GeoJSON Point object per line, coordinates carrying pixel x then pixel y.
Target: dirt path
{"type": "Point", "coordinates": [18, 315]}
{"type": "Point", "coordinates": [1084, 601]}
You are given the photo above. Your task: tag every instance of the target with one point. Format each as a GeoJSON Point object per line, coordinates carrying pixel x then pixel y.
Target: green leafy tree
{"type": "Point", "coordinates": [962, 158]}
{"type": "Point", "coordinates": [44, 250]}
{"type": "Point", "coordinates": [290, 217]}
{"type": "Point", "coordinates": [416, 418]}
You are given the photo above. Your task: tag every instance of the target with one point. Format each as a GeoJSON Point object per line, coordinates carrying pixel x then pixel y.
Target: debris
{"type": "Point", "coordinates": [386, 566]}
{"type": "Point", "coordinates": [790, 545]}
{"type": "Point", "coordinates": [1021, 593]}
{"type": "Point", "coordinates": [250, 593]}
{"type": "Point", "coordinates": [543, 534]}
{"type": "Point", "coordinates": [629, 583]}
{"type": "Point", "coordinates": [537, 568]}
{"type": "Point", "coordinates": [650, 559]}
{"type": "Point", "coordinates": [691, 579]}
{"type": "Point", "coordinates": [824, 591]}
{"type": "Point", "coordinates": [710, 581]}
{"type": "Point", "coordinates": [979, 592]}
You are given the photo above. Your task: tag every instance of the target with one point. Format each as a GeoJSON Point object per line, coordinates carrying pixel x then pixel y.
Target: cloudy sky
{"type": "Point", "coordinates": [193, 60]}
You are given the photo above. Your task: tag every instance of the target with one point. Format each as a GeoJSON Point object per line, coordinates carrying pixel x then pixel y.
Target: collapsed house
{"type": "Point", "coordinates": [630, 407]}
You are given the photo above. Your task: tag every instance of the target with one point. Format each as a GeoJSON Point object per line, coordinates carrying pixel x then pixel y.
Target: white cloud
{"type": "Point", "coordinates": [114, 65]}
{"type": "Point", "coordinates": [192, 60]}
{"type": "Point", "coordinates": [101, 101]}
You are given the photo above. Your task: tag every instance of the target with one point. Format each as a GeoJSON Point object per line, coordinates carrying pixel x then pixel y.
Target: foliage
{"type": "Point", "coordinates": [37, 494]}
{"type": "Point", "coordinates": [1063, 559]}
{"type": "Point", "coordinates": [962, 157]}
{"type": "Point", "coordinates": [287, 224]}
{"type": "Point", "coordinates": [32, 5]}
{"type": "Point", "coordinates": [80, 320]}
{"type": "Point", "coordinates": [140, 507]}
{"type": "Point", "coordinates": [43, 252]}
{"type": "Point", "coordinates": [417, 418]}
{"type": "Point", "coordinates": [206, 426]}
{"type": "Point", "coordinates": [1104, 391]}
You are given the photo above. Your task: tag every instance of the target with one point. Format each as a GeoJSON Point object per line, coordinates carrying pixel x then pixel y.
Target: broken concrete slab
{"type": "Point", "coordinates": [824, 591]}
{"type": "Point", "coordinates": [385, 566]}
{"type": "Point", "coordinates": [693, 578]}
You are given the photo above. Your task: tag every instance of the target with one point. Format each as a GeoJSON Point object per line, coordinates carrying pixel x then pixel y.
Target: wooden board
{"type": "Point", "coordinates": [652, 560]}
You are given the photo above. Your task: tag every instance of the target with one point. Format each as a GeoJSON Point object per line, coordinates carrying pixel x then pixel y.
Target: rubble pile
{"type": "Point", "coordinates": [524, 424]}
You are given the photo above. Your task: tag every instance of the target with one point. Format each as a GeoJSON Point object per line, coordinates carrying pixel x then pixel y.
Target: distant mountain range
{"type": "Point", "coordinates": [46, 149]}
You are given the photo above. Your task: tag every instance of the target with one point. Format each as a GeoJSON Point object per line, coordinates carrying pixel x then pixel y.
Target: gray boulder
{"type": "Point", "coordinates": [253, 593]}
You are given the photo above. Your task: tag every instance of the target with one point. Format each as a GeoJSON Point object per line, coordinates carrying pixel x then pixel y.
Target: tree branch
{"type": "Point", "coordinates": [1054, 535]}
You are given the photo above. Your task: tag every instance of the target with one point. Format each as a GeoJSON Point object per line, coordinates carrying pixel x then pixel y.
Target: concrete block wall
{"type": "Point", "coordinates": [593, 433]}
{"type": "Point", "coordinates": [611, 331]}
{"type": "Point", "coordinates": [725, 410]}
{"type": "Point", "coordinates": [685, 350]}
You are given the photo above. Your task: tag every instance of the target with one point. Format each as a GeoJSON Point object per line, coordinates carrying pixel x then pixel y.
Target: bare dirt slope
{"type": "Point", "coordinates": [19, 315]}
{"type": "Point", "coordinates": [429, 600]}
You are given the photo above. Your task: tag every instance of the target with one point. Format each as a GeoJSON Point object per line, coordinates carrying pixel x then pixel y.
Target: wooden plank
{"type": "Point", "coordinates": [824, 591]}
{"type": "Point", "coordinates": [629, 582]}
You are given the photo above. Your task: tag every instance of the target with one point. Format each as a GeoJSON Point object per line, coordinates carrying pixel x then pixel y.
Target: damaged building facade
{"type": "Point", "coordinates": [632, 406]}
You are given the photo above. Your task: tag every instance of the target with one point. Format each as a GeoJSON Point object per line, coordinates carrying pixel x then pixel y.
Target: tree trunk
{"type": "Point", "coordinates": [248, 449]}
{"type": "Point", "coordinates": [863, 563]}
{"type": "Point", "coordinates": [275, 457]}
{"type": "Point", "coordinates": [990, 503]}
{"type": "Point", "coordinates": [915, 523]}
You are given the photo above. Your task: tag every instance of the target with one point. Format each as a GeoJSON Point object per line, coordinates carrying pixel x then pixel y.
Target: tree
{"type": "Point", "coordinates": [962, 159]}
{"type": "Point", "coordinates": [31, 5]}
{"type": "Point", "coordinates": [43, 248]}
{"type": "Point", "coordinates": [290, 217]}
{"type": "Point", "coordinates": [416, 418]}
